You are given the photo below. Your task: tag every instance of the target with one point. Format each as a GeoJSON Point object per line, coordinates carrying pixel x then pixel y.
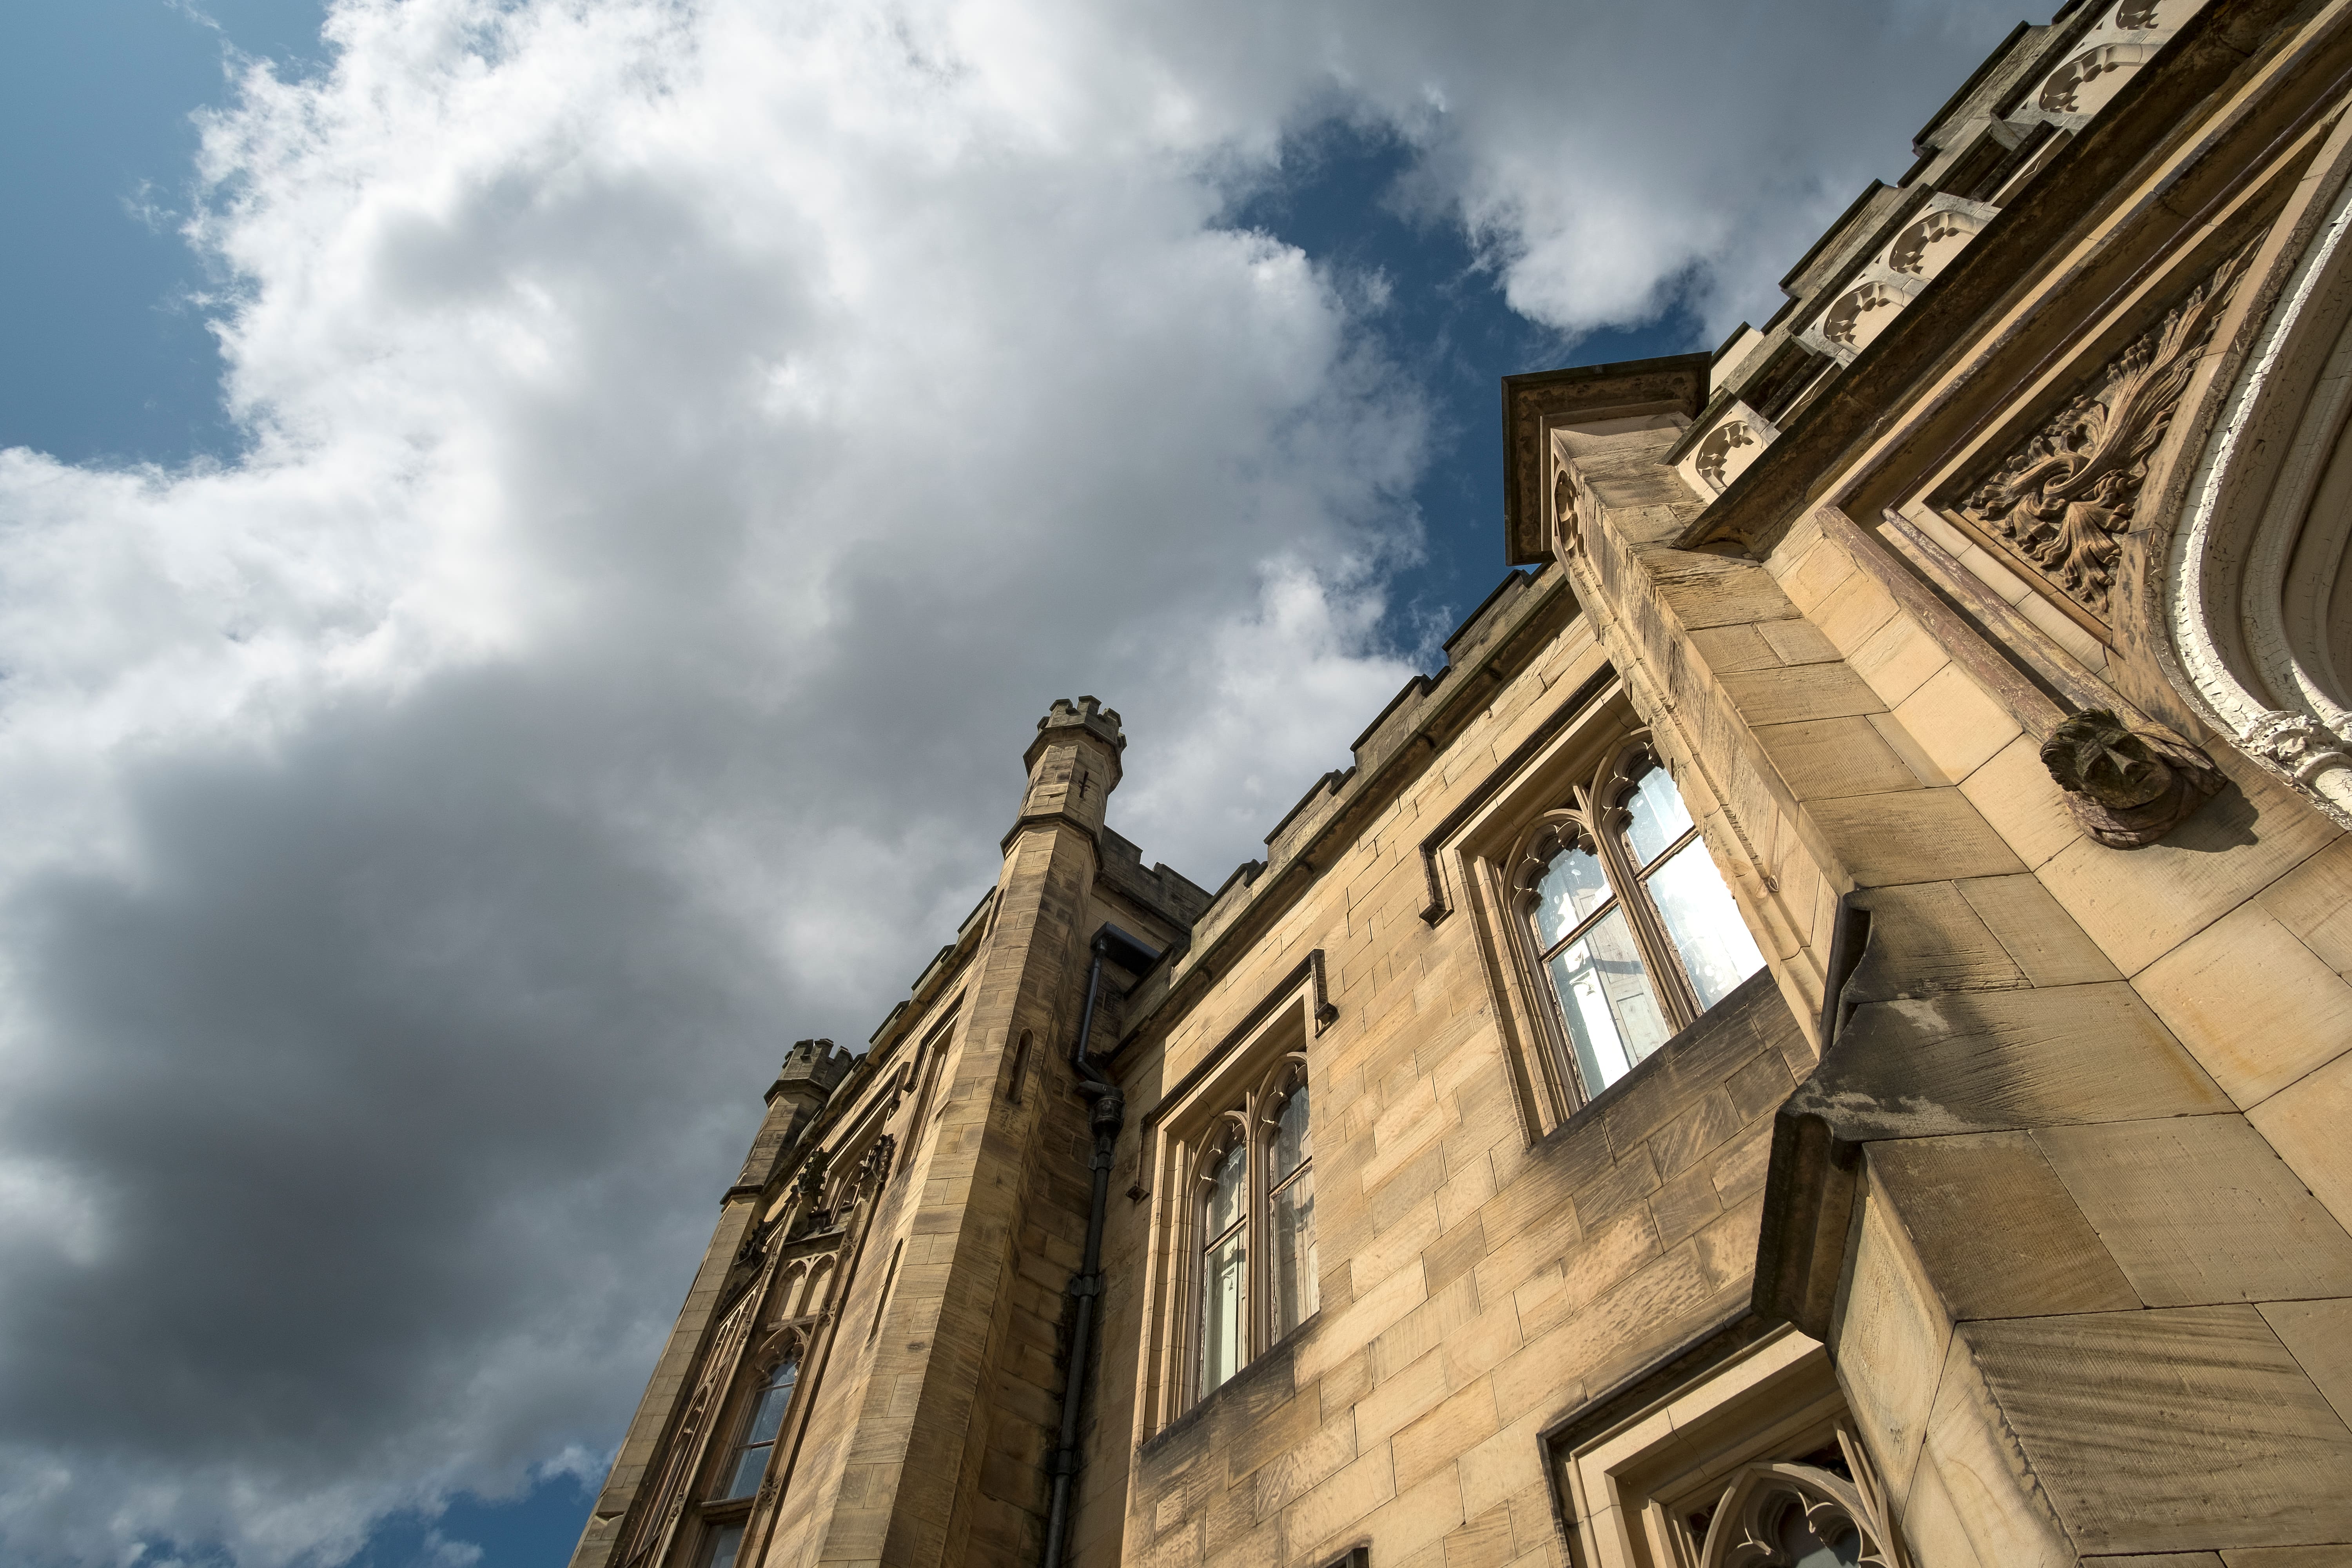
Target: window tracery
{"type": "Point", "coordinates": [1630, 926]}
{"type": "Point", "coordinates": [1760, 1468]}
{"type": "Point", "coordinates": [1784, 1514]}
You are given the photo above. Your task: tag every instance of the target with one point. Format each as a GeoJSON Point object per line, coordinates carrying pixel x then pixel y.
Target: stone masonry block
{"type": "Point", "coordinates": [1890, 1341]}
{"type": "Point", "coordinates": [2170, 1430]}
{"type": "Point", "coordinates": [1429, 1443]}
{"type": "Point", "coordinates": [1336, 1503]}
{"type": "Point", "coordinates": [1984, 1061]}
{"type": "Point", "coordinates": [2305, 1122]}
{"type": "Point", "coordinates": [1838, 756]}
{"type": "Point", "coordinates": [1824, 568]}
{"type": "Point", "coordinates": [2139, 905]}
{"type": "Point", "coordinates": [2199, 1209]}
{"type": "Point", "coordinates": [2043, 1256]}
{"type": "Point", "coordinates": [2315, 902]}
{"type": "Point", "coordinates": [2039, 936]}
{"type": "Point", "coordinates": [1425, 1327]}
{"type": "Point", "coordinates": [1913, 835]}
{"type": "Point", "coordinates": [1957, 723]}
{"type": "Point", "coordinates": [2255, 1005]}
{"type": "Point", "coordinates": [2318, 1335]}
{"type": "Point", "coordinates": [1927, 938]}
{"type": "Point", "coordinates": [1854, 610]}
{"type": "Point", "coordinates": [1303, 1466]}
{"type": "Point", "coordinates": [1797, 642]}
{"type": "Point", "coordinates": [1485, 1541]}
{"type": "Point", "coordinates": [1812, 692]}
{"type": "Point", "coordinates": [1723, 648]}
{"type": "Point", "coordinates": [1897, 658]}
{"type": "Point", "coordinates": [1971, 1453]}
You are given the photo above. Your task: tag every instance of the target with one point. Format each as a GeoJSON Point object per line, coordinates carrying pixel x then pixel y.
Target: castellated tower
{"type": "Point", "coordinates": [872, 1361]}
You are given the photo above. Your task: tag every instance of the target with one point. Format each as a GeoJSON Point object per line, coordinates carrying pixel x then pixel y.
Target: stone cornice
{"type": "Point", "coordinates": [1673, 383]}
{"type": "Point", "coordinates": [2010, 256]}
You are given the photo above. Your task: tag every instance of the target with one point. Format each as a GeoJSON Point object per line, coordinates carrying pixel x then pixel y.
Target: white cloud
{"type": "Point", "coordinates": [691, 443]}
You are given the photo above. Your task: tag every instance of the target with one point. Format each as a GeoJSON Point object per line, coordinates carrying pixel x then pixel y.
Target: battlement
{"type": "Point", "coordinates": [818, 1062]}
{"type": "Point", "coordinates": [1086, 713]}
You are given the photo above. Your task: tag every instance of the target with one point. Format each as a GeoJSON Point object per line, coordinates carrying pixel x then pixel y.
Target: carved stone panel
{"type": "Point", "coordinates": [2059, 504]}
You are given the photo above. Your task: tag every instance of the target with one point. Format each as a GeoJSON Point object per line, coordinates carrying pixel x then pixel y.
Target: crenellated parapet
{"type": "Point", "coordinates": [811, 1070]}
{"type": "Point", "coordinates": [1073, 767]}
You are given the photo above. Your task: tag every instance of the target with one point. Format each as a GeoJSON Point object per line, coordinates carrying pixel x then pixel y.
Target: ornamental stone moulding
{"type": "Point", "coordinates": [1735, 440]}
{"type": "Point", "coordinates": [2060, 503]}
{"type": "Point", "coordinates": [1886, 284]}
{"type": "Point", "coordinates": [2101, 62]}
{"type": "Point", "coordinates": [2256, 594]}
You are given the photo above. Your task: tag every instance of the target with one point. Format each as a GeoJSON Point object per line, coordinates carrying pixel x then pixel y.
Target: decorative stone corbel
{"type": "Point", "coordinates": [755, 1245]}
{"type": "Point", "coordinates": [2127, 787]}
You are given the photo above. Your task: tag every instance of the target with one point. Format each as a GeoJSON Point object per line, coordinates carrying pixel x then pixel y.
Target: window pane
{"type": "Point", "coordinates": [1225, 1183]}
{"type": "Point", "coordinates": [750, 1464]}
{"type": "Point", "coordinates": [1716, 950]}
{"type": "Point", "coordinates": [768, 1414]}
{"type": "Point", "coordinates": [1613, 1019]}
{"type": "Point", "coordinates": [1291, 1144]}
{"type": "Point", "coordinates": [1222, 1334]}
{"type": "Point", "coordinates": [1658, 817]}
{"type": "Point", "coordinates": [1294, 1254]}
{"type": "Point", "coordinates": [1801, 1548]}
{"type": "Point", "coordinates": [725, 1542]}
{"type": "Point", "coordinates": [1572, 888]}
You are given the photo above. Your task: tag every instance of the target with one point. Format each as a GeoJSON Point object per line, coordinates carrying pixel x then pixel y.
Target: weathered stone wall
{"type": "Point", "coordinates": [2040, 1137]}
{"type": "Point", "coordinates": [1482, 1291]}
{"type": "Point", "coordinates": [1478, 1284]}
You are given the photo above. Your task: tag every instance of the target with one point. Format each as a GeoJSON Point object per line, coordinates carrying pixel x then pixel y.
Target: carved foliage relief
{"type": "Point", "coordinates": [2061, 503]}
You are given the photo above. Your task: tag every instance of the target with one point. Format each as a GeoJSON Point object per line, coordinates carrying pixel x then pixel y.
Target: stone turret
{"type": "Point", "coordinates": [1073, 766]}
{"type": "Point", "coordinates": [811, 1070]}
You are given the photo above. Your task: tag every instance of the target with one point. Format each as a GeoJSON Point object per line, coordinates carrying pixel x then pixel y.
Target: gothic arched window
{"type": "Point", "coordinates": [1224, 1262]}
{"type": "Point", "coordinates": [1290, 1214]}
{"type": "Point", "coordinates": [1629, 921]}
{"type": "Point", "coordinates": [1254, 1259]}
{"type": "Point", "coordinates": [749, 1462]}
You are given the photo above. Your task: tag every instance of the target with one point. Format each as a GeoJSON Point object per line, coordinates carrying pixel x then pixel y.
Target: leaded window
{"type": "Point", "coordinates": [1255, 1261]}
{"type": "Point", "coordinates": [749, 1462]}
{"type": "Point", "coordinates": [1630, 923]}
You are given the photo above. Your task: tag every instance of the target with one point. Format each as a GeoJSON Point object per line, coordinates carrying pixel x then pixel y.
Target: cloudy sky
{"type": "Point", "coordinates": [532, 536]}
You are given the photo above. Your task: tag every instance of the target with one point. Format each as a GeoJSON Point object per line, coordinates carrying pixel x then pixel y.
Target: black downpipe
{"type": "Point", "coordinates": [1085, 1288]}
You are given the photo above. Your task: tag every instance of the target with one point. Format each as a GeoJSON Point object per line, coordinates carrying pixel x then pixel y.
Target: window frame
{"type": "Point", "coordinates": [718, 1509]}
{"type": "Point", "coordinates": [1250, 1071]}
{"type": "Point", "coordinates": [1594, 817]}
{"type": "Point", "coordinates": [1249, 1124]}
{"type": "Point", "coordinates": [1626, 1492]}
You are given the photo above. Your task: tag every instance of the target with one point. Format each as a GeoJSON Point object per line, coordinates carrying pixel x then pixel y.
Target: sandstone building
{"type": "Point", "coordinates": [1822, 1035]}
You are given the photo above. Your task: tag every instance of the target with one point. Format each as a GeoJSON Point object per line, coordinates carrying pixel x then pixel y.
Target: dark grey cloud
{"type": "Point", "coordinates": [692, 444]}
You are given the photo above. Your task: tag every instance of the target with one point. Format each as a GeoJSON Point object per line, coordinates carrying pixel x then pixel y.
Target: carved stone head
{"type": "Point", "coordinates": [2094, 754]}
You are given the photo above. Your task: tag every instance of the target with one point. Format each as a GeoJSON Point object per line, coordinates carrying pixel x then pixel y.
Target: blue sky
{"type": "Point", "coordinates": [117, 364]}
{"type": "Point", "coordinates": [424, 732]}
{"type": "Point", "coordinates": [109, 358]}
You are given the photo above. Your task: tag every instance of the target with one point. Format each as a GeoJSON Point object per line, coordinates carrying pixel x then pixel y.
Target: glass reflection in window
{"type": "Point", "coordinates": [1620, 995]}
{"type": "Point", "coordinates": [759, 1429]}
{"type": "Point", "coordinates": [1290, 1180]}
{"type": "Point", "coordinates": [1223, 1262]}
{"type": "Point", "coordinates": [725, 1542]}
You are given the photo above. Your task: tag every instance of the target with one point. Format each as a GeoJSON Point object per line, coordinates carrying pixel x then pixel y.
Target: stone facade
{"type": "Point", "coordinates": [1989, 612]}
